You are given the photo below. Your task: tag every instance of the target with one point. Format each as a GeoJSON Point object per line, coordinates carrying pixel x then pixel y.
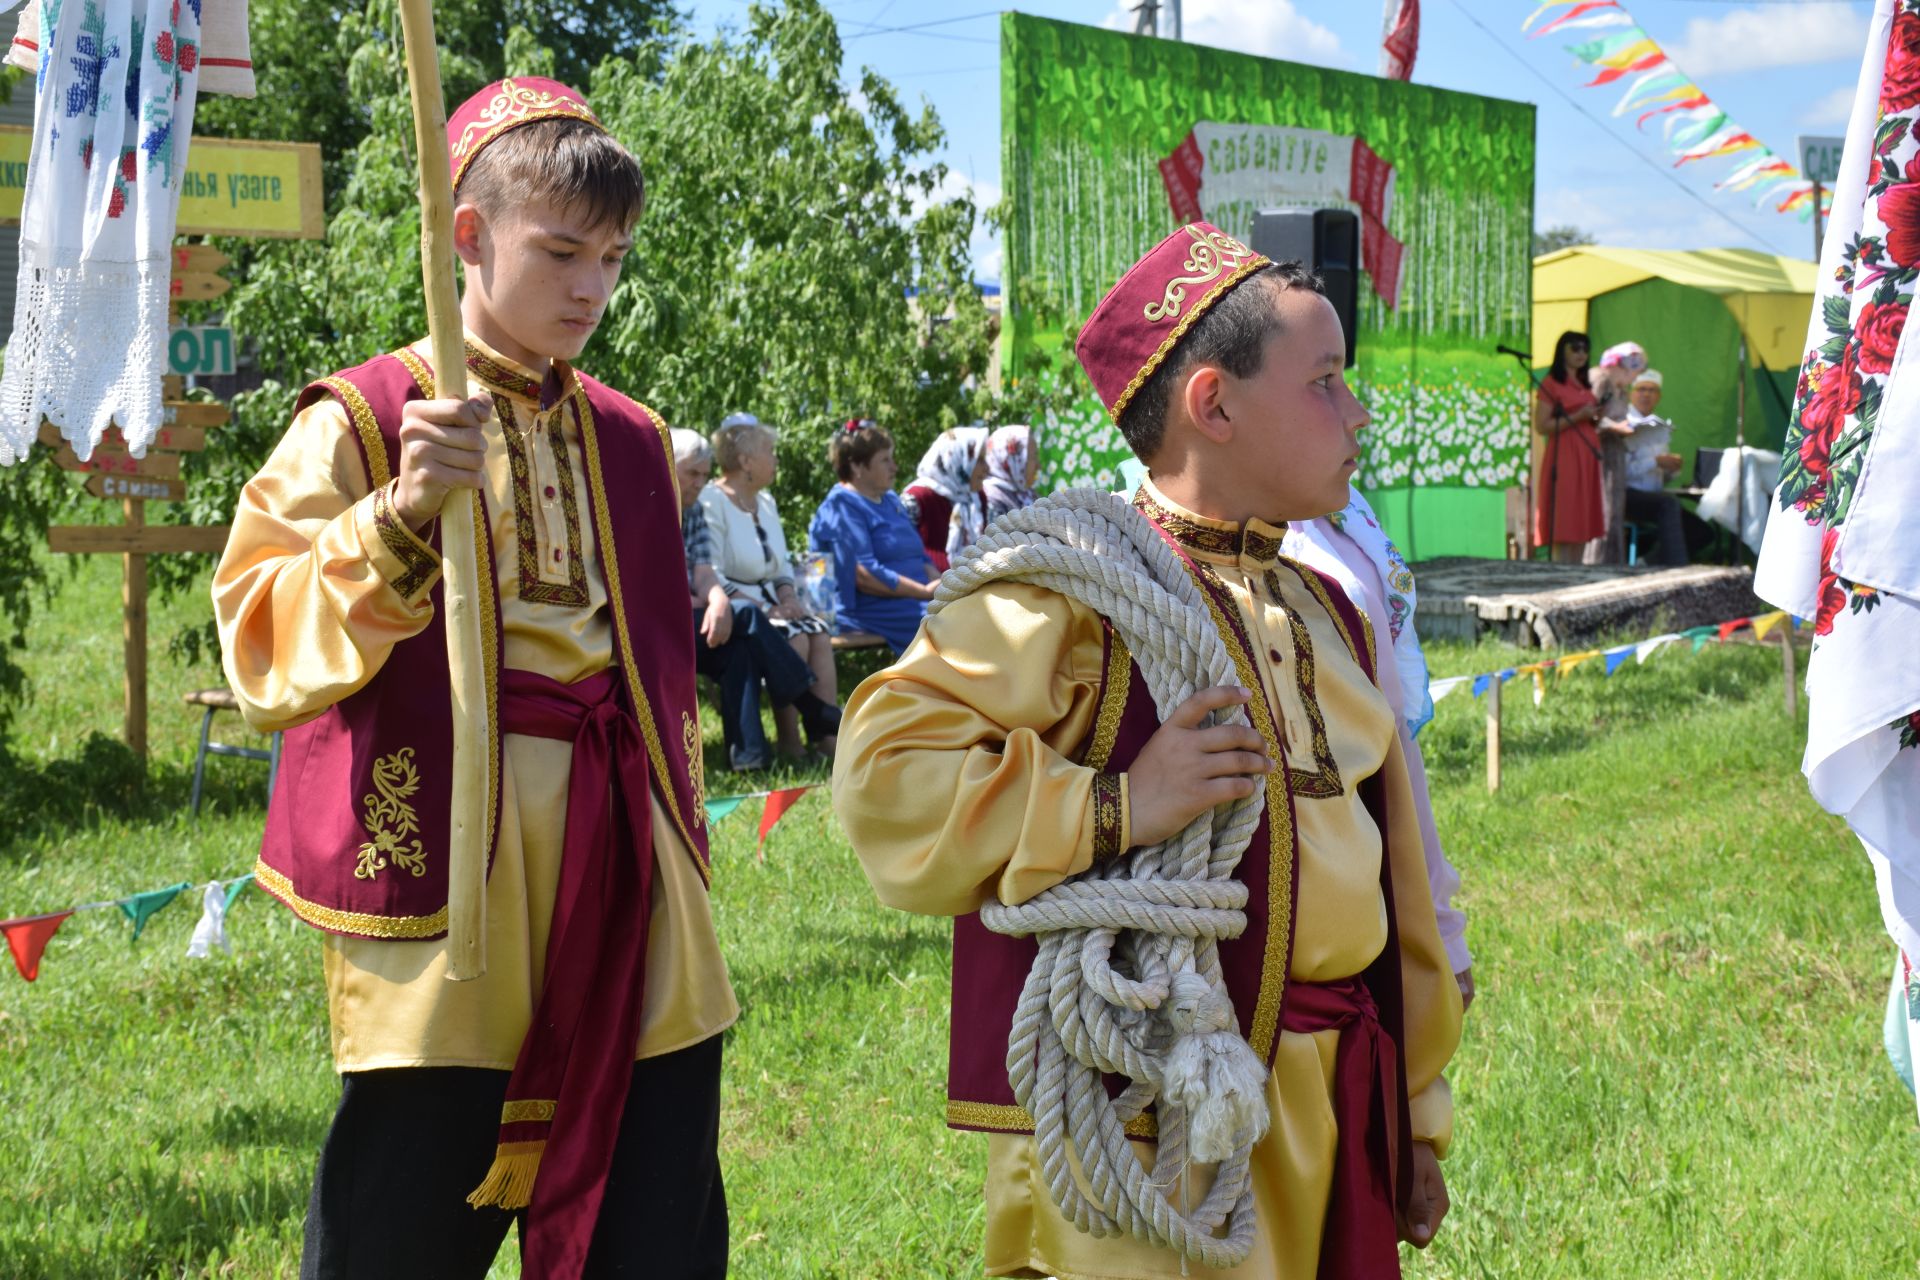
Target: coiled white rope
{"type": "Point", "coordinates": [1128, 976]}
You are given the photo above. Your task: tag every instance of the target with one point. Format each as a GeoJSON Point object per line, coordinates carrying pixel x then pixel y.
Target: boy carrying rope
{"type": "Point", "coordinates": [575, 1085]}
{"type": "Point", "coordinates": [1200, 1003]}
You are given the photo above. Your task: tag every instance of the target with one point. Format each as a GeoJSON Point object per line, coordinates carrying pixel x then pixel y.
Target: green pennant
{"type": "Point", "coordinates": [720, 807]}
{"type": "Point", "coordinates": [233, 890]}
{"type": "Point", "coordinates": [141, 906]}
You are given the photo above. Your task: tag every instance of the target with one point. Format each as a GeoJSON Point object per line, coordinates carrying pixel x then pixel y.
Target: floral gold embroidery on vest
{"type": "Point", "coordinates": [696, 767]}
{"type": "Point", "coordinates": [1210, 256]}
{"type": "Point", "coordinates": [391, 820]}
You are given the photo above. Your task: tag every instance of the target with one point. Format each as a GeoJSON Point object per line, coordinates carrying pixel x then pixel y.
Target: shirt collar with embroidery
{"type": "Point", "coordinates": [1251, 544]}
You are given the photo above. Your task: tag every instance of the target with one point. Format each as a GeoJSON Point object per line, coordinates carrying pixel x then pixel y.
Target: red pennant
{"type": "Point", "coordinates": [778, 802]}
{"type": "Point", "coordinates": [1728, 628]}
{"type": "Point", "coordinates": [29, 937]}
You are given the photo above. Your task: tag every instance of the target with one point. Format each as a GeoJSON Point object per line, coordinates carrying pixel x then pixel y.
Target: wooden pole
{"type": "Point", "coordinates": [1493, 734]}
{"type": "Point", "coordinates": [1788, 690]}
{"type": "Point", "coordinates": [461, 523]}
{"type": "Point", "coordinates": [133, 629]}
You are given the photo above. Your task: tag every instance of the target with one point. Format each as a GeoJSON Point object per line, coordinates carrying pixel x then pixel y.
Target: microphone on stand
{"type": "Point", "coordinates": [1506, 350]}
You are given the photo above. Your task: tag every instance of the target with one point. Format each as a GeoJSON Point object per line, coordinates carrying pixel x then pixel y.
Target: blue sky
{"type": "Point", "coordinates": [1780, 68]}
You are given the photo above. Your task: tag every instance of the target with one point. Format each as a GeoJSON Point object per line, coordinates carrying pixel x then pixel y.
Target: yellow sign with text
{"type": "Point", "coordinates": [269, 190]}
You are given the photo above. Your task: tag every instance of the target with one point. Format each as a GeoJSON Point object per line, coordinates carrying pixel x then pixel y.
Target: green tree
{"type": "Point", "coordinates": [788, 221]}
{"type": "Point", "coordinates": [1556, 238]}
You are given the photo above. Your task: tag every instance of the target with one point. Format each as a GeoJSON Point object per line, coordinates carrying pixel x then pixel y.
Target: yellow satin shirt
{"type": "Point", "coordinates": [308, 599]}
{"type": "Point", "coordinates": [955, 783]}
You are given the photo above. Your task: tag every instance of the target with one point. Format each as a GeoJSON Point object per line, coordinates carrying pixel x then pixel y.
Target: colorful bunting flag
{"type": "Point", "coordinates": [28, 939]}
{"type": "Point", "coordinates": [1652, 645]}
{"type": "Point", "coordinates": [1728, 628]}
{"type": "Point", "coordinates": [719, 808]}
{"type": "Point", "coordinates": [1438, 689]}
{"type": "Point", "coordinates": [141, 906]}
{"type": "Point", "coordinates": [211, 932]}
{"type": "Point", "coordinates": [1701, 635]}
{"type": "Point", "coordinates": [1766, 622]}
{"type": "Point", "coordinates": [1695, 128]}
{"type": "Point", "coordinates": [778, 802]}
{"type": "Point", "coordinates": [1617, 658]}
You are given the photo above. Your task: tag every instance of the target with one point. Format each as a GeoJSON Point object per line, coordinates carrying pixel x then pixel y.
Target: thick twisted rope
{"type": "Point", "coordinates": [1128, 976]}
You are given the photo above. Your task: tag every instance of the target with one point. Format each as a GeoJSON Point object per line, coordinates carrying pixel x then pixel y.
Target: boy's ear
{"type": "Point", "coordinates": [1203, 398]}
{"type": "Point", "coordinates": [468, 229]}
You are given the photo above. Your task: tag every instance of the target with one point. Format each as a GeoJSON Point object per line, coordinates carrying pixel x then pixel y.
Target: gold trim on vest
{"type": "Point", "coordinates": [379, 470]}
{"type": "Point", "coordinates": [359, 923]}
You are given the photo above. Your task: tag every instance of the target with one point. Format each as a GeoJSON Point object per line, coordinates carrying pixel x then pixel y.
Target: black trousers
{"type": "Point", "coordinates": [408, 1145]}
{"type": "Point", "coordinates": [1682, 535]}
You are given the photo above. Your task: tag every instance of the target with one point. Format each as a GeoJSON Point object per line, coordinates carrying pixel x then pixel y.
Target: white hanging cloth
{"type": "Point", "coordinates": [113, 114]}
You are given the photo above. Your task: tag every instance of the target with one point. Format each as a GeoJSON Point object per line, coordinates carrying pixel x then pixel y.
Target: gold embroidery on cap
{"type": "Point", "coordinates": [390, 819]}
{"type": "Point", "coordinates": [517, 103]}
{"type": "Point", "coordinates": [1211, 255]}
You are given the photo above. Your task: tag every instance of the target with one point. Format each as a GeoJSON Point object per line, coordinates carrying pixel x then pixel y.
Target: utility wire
{"type": "Point", "coordinates": [1639, 155]}
{"type": "Point", "coordinates": [922, 26]}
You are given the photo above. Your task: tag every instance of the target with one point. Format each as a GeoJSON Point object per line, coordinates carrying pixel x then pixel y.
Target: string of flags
{"type": "Point", "coordinates": [1762, 625]}
{"type": "Point", "coordinates": [1695, 128]}
{"type": "Point", "coordinates": [28, 936]}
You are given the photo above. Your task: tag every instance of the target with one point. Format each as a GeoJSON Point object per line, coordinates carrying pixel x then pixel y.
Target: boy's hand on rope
{"type": "Point", "coordinates": [442, 448]}
{"type": "Point", "coordinates": [1185, 770]}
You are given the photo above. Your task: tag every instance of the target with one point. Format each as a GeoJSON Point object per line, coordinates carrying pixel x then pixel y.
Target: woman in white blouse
{"type": "Point", "coordinates": [750, 549]}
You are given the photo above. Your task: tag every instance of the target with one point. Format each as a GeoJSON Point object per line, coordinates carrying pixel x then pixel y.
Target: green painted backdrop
{"type": "Point", "coordinates": [1087, 115]}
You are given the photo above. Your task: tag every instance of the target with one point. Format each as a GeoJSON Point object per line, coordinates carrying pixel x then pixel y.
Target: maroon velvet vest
{"type": "Point", "coordinates": [357, 830]}
{"type": "Point", "coordinates": [990, 969]}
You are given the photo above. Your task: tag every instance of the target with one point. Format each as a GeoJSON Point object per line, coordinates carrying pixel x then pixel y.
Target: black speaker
{"type": "Point", "coordinates": [1325, 240]}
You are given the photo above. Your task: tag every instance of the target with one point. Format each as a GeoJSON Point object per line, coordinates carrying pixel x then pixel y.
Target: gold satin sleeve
{"type": "Point", "coordinates": [319, 580]}
{"type": "Point", "coordinates": [954, 779]}
{"type": "Point", "coordinates": [1430, 996]}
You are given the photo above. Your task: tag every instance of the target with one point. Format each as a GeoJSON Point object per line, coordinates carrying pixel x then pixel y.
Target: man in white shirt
{"type": "Point", "coordinates": [1649, 438]}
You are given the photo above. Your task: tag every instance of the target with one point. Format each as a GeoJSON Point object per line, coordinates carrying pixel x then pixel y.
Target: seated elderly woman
{"type": "Point", "coordinates": [750, 554]}
{"type": "Point", "coordinates": [735, 644]}
{"type": "Point", "coordinates": [945, 499]}
{"type": "Point", "coordinates": [879, 565]}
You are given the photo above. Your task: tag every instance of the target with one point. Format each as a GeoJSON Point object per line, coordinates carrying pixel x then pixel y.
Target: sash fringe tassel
{"type": "Point", "coordinates": [509, 1181]}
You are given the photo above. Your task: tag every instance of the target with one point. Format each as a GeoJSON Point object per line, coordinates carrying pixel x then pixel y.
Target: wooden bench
{"type": "Point", "coordinates": [217, 700]}
{"type": "Point", "coordinates": [857, 640]}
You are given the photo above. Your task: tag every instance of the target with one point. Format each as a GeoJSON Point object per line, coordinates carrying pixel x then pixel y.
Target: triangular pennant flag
{"type": "Point", "coordinates": [778, 802]}
{"type": "Point", "coordinates": [211, 932]}
{"type": "Point", "coordinates": [234, 889]}
{"type": "Point", "coordinates": [1508, 674]}
{"type": "Point", "coordinates": [1766, 622]}
{"type": "Point", "coordinates": [1652, 645]}
{"type": "Point", "coordinates": [141, 906]}
{"type": "Point", "coordinates": [1616, 658]}
{"type": "Point", "coordinates": [1728, 628]}
{"type": "Point", "coordinates": [1539, 686]}
{"type": "Point", "coordinates": [1480, 684]}
{"type": "Point", "coordinates": [1439, 689]}
{"type": "Point", "coordinates": [1573, 660]}
{"type": "Point", "coordinates": [28, 938]}
{"type": "Point", "coordinates": [719, 808]}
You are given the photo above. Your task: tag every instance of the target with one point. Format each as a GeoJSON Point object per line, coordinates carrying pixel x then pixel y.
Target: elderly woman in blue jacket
{"type": "Point", "coordinates": [880, 566]}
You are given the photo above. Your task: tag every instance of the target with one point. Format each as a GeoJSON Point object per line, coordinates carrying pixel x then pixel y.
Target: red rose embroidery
{"type": "Point", "coordinates": [117, 203]}
{"type": "Point", "coordinates": [1900, 82]}
{"type": "Point", "coordinates": [128, 171]}
{"type": "Point", "coordinates": [1899, 208]}
{"type": "Point", "coordinates": [163, 47]}
{"type": "Point", "coordinates": [1832, 596]}
{"type": "Point", "coordinates": [1878, 329]}
{"type": "Point", "coordinates": [189, 56]}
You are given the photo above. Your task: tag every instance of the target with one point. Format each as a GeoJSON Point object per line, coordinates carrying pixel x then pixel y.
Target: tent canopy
{"type": "Point", "coordinates": [1769, 297]}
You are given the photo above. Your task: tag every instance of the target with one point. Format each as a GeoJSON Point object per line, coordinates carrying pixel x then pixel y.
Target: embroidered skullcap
{"type": "Point", "coordinates": [1144, 317]}
{"type": "Point", "coordinates": [505, 105]}
{"type": "Point", "coordinates": [1648, 378]}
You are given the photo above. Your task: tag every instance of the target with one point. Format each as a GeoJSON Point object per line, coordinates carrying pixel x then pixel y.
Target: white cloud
{"type": "Point", "coordinates": [1775, 35]}
{"type": "Point", "coordinates": [1831, 110]}
{"type": "Point", "coordinates": [1269, 28]}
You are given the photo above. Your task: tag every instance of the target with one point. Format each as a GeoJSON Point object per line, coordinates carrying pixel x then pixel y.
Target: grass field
{"type": "Point", "coordinates": [1673, 1067]}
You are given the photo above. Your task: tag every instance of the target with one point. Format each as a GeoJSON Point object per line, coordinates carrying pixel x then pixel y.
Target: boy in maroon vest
{"type": "Point", "coordinates": [576, 1085]}
{"type": "Point", "coordinates": [1015, 747]}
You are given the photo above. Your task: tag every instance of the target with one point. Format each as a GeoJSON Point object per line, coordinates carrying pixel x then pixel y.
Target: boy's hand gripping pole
{"type": "Point", "coordinates": [461, 525]}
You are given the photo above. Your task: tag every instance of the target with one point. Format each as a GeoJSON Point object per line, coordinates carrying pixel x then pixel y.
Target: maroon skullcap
{"type": "Point", "coordinates": [1142, 319]}
{"type": "Point", "coordinates": [508, 104]}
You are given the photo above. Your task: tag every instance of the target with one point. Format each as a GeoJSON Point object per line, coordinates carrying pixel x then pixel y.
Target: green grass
{"type": "Point", "coordinates": [1673, 1068]}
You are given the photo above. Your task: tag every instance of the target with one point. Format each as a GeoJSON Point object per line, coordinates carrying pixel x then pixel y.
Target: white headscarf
{"type": "Point", "coordinates": [947, 465]}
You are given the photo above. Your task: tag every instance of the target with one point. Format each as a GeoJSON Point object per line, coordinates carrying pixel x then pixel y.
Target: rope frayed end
{"type": "Point", "coordinates": [1212, 1073]}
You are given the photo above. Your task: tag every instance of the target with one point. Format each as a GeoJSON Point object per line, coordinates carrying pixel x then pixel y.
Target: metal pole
{"type": "Point", "coordinates": [1818, 229]}
{"type": "Point", "coordinates": [1175, 6]}
{"type": "Point", "coordinates": [1147, 19]}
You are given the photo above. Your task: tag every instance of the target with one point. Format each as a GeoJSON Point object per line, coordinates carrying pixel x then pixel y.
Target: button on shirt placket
{"type": "Point", "coordinates": [1273, 641]}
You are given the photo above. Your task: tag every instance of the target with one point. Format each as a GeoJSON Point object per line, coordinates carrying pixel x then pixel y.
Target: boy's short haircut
{"type": "Point", "coordinates": [572, 165]}
{"type": "Point", "coordinates": [856, 444]}
{"type": "Point", "coordinates": [734, 441]}
{"type": "Point", "coordinates": [1231, 336]}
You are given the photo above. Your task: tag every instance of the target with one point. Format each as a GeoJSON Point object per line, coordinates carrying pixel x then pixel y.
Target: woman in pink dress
{"type": "Point", "coordinates": [1566, 483]}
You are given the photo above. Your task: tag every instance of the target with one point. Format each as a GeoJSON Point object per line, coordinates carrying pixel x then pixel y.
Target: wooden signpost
{"type": "Point", "coordinates": [255, 189]}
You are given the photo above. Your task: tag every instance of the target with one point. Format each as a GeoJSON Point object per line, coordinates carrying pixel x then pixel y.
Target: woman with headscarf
{"type": "Point", "coordinates": [944, 499]}
{"type": "Point", "coordinates": [1613, 377]}
{"type": "Point", "coordinates": [1013, 462]}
